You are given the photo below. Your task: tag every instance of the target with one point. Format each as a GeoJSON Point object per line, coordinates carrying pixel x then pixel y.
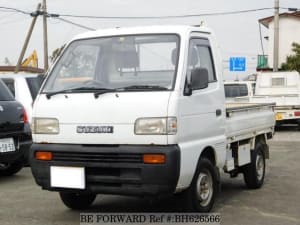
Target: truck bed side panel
{"type": "Point", "coordinates": [248, 120]}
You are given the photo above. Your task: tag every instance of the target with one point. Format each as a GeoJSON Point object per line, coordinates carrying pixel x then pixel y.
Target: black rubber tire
{"type": "Point", "coordinates": [191, 199]}
{"type": "Point", "coordinates": [77, 201]}
{"type": "Point", "coordinates": [11, 169]}
{"type": "Point", "coordinates": [251, 177]}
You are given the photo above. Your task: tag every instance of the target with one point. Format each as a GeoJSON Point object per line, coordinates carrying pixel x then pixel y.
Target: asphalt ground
{"type": "Point", "coordinates": [277, 202]}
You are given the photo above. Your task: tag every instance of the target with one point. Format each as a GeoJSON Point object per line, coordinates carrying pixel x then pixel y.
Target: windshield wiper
{"type": "Point", "coordinates": [129, 88]}
{"type": "Point", "coordinates": [71, 90]}
{"type": "Point", "coordinates": [144, 87]}
{"type": "Point", "coordinates": [101, 91]}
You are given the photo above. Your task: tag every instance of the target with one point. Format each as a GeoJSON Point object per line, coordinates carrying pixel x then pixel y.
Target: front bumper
{"type": "Point", "coordinates": [111, 169]}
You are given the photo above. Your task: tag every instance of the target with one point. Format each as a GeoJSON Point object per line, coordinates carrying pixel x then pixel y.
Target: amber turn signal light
{"type": "Point", "coordinates": [44, 156]}
{"type": "Point", "coordinates": [154, 158]}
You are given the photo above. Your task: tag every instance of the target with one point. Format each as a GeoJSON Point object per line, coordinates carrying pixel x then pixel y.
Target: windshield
{"type": "Point", "coordinates": [117, 62]}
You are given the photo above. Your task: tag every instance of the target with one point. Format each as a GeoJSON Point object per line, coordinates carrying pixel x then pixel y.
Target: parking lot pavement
{"type": "Point", "coordinates": [277, 202]}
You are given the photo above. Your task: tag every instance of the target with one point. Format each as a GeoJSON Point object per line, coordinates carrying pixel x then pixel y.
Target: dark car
{"type": "Point", "coordinates": [15, 134]}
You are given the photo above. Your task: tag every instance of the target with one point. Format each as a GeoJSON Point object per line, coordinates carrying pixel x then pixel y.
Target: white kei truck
{"type": "Point", "coordinates": [141, 111]}
{"type": "Point", "coordinates": [282, 88]}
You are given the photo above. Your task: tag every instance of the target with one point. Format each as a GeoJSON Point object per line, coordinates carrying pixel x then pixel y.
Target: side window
{"type": "Point", "coordinates": [243, 90]}
{"type": "Point", "coordinates": [200, 57]}
{"type": "Point", "coordinates": [10, 83]}
{"type": "Point", "coordinates": [34, 84]}
{"type": "Point", "coordinates": [235, 90]}
{"type": "Point", "coordinates": [5, 94]}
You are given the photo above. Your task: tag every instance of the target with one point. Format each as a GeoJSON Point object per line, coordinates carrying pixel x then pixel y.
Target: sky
{"type": "Point", "coordinates": [238, 35]}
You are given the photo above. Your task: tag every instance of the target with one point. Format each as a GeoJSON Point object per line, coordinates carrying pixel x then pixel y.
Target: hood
{"type": "Point", "coordinates": [119, 110]}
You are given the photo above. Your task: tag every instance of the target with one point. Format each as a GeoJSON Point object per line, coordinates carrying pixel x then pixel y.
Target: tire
{"type": "Point", "coordinates": [254, 172]}
{"type": "Point", "coordinates": [200, 196]}
{"type": "Point", "coordinates": [77, 201]}
{"type": "Point", "coordinates": [11, 168]}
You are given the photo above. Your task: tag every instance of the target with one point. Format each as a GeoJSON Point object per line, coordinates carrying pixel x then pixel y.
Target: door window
{"type": "Point", "coordinates": [200, 57]}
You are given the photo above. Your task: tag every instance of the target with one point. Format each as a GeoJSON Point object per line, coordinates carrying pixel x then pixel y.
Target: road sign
{"type": "Point", "coordinates": [237, 64]}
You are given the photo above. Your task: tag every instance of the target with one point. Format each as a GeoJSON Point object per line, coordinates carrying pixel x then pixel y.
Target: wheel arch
{"type": "Point", "coordinates": [262, 139]}
{"type": "Point", "coordinates": [209, 153]}
{"type": "Point", "coordinates": [190, 163]}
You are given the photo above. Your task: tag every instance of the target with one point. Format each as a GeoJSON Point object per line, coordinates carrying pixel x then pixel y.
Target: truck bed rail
{"type": "Point", "coordinates": [236, 107]}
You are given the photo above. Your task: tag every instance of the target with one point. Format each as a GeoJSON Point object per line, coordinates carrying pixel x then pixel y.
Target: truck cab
{"type": "Point", "coordinates": [138, 111]}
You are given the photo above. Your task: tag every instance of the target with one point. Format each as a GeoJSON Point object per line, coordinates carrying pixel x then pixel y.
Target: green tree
{"type": "Point", "coordinates": [293, 61]}
{"type": "Point", "coordinates": [56, 53]}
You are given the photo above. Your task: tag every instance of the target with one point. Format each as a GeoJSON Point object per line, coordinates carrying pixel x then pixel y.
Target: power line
{"type": "Point", "coordinates": [165, 17]}
{"type": "Point", "coordinates": [59, 16]}
{"type": "Point", "coordinates": [290, 9]}
{"type": "Point", "coordinates": [75, 24]}
{"type": "Point", "coordinates": [136, 17]}
{"type": "Point", "coordinates": [14, 9]}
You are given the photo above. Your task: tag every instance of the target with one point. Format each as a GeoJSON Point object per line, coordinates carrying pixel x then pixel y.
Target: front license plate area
{"type": "Point", "coordinates": [7, 145]}
{"type": "Point", "coordinates": [67, 177]}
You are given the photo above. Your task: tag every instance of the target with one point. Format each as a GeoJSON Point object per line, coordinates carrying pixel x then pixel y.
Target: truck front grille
{"type": "Point", "coordinates": [97, 157]}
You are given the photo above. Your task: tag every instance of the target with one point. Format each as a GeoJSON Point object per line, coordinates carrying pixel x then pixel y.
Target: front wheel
{"type": "Point", "coordinates": [254, 172]}
{"type": "Point", "coordinates": [77, 201]}
{"type": "Point", "coordinates": [200, 196]}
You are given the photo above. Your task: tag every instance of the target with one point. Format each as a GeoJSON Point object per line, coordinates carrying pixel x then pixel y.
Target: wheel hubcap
{"type": "Point", "coordinates": [204, 188]}
{"type": "Point", "coordinates": [260, 166]}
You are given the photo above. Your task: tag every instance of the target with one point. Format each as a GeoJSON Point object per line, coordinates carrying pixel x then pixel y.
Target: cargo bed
{"type": "Point", "coordinates": [245, 120]}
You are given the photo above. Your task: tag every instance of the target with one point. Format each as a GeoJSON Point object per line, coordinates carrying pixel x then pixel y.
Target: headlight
{"type": "Point", "coordinates": [45, 126]}
{"type": "Point", "coordinates": [159, 125]}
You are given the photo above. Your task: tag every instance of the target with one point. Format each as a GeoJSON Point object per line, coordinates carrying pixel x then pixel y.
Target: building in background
{"type": "Point", "coordinates": [289, 32]}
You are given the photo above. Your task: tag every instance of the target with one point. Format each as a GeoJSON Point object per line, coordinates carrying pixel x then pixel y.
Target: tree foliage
{"type": "Point", "coordinates": [293, 61]}
{"type": "Point", "coordinates": [56, 53]}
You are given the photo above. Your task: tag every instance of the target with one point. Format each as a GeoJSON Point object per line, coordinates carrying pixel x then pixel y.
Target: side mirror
{"type": "Point", "coordinates": [199, 80]}
{"type": "Point", "coordinates": [199, 77]}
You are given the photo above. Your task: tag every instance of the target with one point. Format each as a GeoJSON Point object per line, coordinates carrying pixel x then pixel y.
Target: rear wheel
{"type": "Point", "coordinates": [8, 169]}
{"type": "Point", "coordinates": [200, 196]}
{"type": "Point", "coordinates": [254, 172]}
{"type": "Point", "coordinates": [77, 201]}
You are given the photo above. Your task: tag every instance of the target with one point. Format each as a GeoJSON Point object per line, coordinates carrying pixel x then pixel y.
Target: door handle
{"type": "Point", "coordinates": [218, 112]}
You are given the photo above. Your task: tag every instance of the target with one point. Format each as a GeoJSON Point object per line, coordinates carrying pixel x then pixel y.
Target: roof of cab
{"type": "Point", "coordinates": [176, 29]}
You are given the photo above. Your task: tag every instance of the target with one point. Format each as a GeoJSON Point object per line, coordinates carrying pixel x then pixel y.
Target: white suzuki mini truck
{"type": "Point", "coordinates": [141, 111]}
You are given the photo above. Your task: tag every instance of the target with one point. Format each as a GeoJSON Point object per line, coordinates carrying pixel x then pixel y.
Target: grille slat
{"type": "Point", "coordinates": [111, 179]}
{"type": "Point", "coordinates": [97, 157]}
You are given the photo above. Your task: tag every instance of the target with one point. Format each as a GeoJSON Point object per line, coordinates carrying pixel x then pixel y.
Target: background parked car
{"type": "Point", "coordinates": [24, 87]}
{"type": "Point", "coordinates": [15, 134]}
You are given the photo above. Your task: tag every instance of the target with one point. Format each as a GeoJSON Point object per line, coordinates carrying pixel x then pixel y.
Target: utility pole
{"type": "Point", "coordinates": [34, 15]}
{"type": "Point", "coordinates": [45, 36]}
{"type": "Point", "coordinates": [276, 37]}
